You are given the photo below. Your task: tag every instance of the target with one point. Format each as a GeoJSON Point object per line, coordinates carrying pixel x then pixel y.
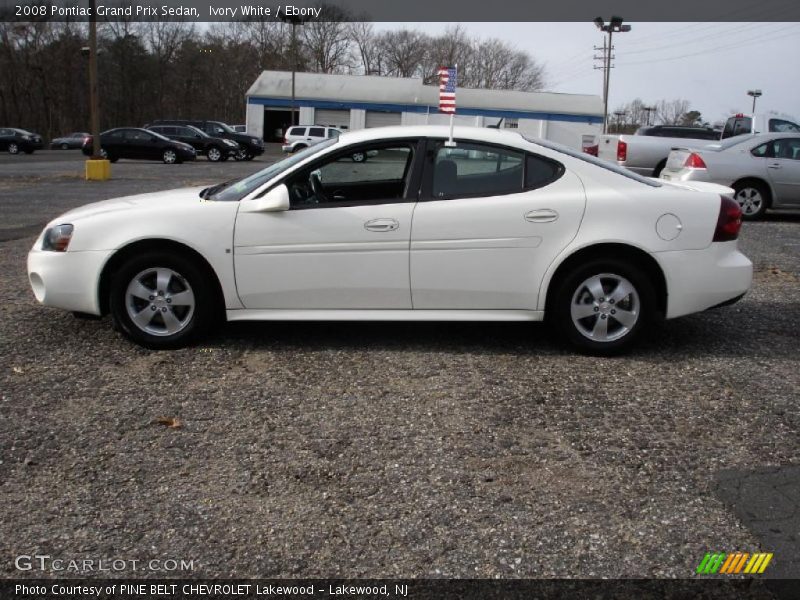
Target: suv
{"type": "Point", "coordinates": [249, 146]}
{"type": "Point", "coordinates": [214, 148]}
{"type": "Point", "coordinates": [298, 137]}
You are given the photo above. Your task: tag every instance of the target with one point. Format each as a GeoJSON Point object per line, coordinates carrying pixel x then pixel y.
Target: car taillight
{"type": "Point", "coordinates": [593, 150]}
{"type": "Point", "coordinates": [622, 150]}
{"type": "Point", "coordinates": [694, 161]}
{"type": "Point", "coordinates": [729, 221]}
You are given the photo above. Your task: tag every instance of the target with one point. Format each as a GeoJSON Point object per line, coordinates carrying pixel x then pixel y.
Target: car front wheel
{"type": "Point", "coordinates": [359, 157]}
{"type": "Point", "coordinates": [602, 307]}
{"type": "Point", "coordinates": [214, 154]}
{"type": "Point", "coordinates": [161, 301]}
{"type": "Point", "coordinates": [65, 146]}
{"type": "Point", "coordinates": [170, 157]}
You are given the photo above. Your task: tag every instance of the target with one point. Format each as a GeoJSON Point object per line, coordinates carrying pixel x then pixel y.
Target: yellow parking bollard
{"type": "Point", "coordinates": [98, 170]}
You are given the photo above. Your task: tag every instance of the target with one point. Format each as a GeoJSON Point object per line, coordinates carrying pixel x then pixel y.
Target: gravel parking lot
{"type": "Point", "coordinates": [414, 450]}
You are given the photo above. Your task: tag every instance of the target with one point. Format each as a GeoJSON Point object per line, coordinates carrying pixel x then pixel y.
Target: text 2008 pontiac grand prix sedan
{"type": "Point", "coordinates": [497, 228]}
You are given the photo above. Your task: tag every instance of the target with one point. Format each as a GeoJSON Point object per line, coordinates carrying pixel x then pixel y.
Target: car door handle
{"type": "Point", "coordinates": [381, 225]}
{"type": "Point", "coordinates": [775, 166]}
{"type": "Point", "coordinates": [542, 215]}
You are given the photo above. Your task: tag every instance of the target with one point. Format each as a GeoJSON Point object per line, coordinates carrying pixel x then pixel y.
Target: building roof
{"type": "Point", "coordinates": [411, 95]}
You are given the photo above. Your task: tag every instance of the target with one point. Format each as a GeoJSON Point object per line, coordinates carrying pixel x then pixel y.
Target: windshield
{"type": "Point", "coordinates": [158, 135]}
{"type": "Point", "coordinates": [593, 160]}
{"type": "Point", "coordinates": [236, 189]}
{"type": "Point", "coordinates": [225, 127]}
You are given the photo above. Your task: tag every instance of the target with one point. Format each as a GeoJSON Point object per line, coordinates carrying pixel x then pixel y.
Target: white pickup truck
{"type": "Point", "coordinates": [765, 123]}
{"type": "Point", "coordinates": [646, 151]}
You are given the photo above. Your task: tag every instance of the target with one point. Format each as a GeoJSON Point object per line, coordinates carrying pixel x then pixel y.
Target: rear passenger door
{"type": "Point", "coordinates": [784, 170]}
{"type": "Point", "coordinates": [489, 223]}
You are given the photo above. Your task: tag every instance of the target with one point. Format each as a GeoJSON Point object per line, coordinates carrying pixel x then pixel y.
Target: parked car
{"type": "Point", "coordinates": [16, 140]}
{"type": "Point", "coordinates": [302, 136]}
{"type": "Point", "coordinates": [136, 143]}
{"type": "Point", "coordinates": [249, 146]}
{"type": "Point", "coordinates": [646, 151]}
{"type": "Point", "coordinates": [515, 230]}
{"type": "Point", "coordinates": [213, 148]}
{"type": "Point", "coordinates": [71, 141]}
{"type": "Point", "coordinates": [741, 124]}
{"type": "Point", "coordinates": [764, 169]}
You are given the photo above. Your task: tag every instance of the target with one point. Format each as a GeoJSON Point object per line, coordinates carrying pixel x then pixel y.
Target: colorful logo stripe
{"type": "Point", "coordinates": [731, 564]}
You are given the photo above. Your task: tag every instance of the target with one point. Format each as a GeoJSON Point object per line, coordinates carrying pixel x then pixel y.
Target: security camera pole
{"type": "Point", "coordinates": [610, 28]}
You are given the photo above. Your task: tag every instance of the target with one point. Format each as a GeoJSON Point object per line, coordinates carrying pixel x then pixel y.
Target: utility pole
{"type": "Point", "coordinates": [294, 22]}
{"type": "Point", "coordinates": [615, 25]}
{"type": "Point", "coordinates": [94, 104]}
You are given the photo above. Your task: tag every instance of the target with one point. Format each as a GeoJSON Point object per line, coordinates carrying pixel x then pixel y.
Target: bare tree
{"type": "Point", "coordinates": [404, 51]}
{"type": "Point", "coordinates": [327, 46]}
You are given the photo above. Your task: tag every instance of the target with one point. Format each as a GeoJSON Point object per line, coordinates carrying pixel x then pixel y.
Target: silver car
{"type": "Point", "coordinates": [763, 170]}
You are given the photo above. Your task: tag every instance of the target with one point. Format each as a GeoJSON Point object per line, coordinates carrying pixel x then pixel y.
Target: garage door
{"type": "Point", "coordinates": [332, 118]}
{"type": "Point", "coordinates": [382, 119]}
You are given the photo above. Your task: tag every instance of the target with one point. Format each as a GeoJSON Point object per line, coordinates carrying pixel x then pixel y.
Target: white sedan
{"type": "Point", "coordinates": [498, 227]}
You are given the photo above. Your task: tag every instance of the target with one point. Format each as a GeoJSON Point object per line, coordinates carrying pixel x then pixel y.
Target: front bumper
{"type": "Point", "coordinates": [701, 279]}
{"type": "Point", "coordinates": [66, 280]}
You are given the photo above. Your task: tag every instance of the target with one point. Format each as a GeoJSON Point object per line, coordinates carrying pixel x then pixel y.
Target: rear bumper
{"type": "Point", "coordinates": [66, 280]}
{"type": "Point", "coordinates": [701, 279]}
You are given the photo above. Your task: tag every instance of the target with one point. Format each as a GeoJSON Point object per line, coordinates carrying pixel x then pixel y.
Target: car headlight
{"type": "Point", "coordinates": [255, 140]}
{"type": "Point", "coordinates": [26, 137]}
{"type": "Point", "coordinates": [57, 238]}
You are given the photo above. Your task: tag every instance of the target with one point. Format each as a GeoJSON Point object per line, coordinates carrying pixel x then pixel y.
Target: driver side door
{"type": "Point", "coordinates": [344, 243]}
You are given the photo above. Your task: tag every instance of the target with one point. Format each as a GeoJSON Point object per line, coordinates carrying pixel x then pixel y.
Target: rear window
{"type": "Point", "coordinates": [783, 126]}
{"type": "Point", "coordinates": [594, 161]}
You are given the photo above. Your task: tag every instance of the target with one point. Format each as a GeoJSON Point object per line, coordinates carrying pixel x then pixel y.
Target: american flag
{"type": "Point", "coordinates": [447, 90]}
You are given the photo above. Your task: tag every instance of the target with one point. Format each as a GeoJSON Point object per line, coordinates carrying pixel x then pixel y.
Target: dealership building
{"type": "Point", "coordinates": [351, 102]}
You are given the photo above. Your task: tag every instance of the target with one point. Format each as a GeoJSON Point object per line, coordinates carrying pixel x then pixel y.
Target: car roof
{"type": "Point", "coordinates": [476, 134]}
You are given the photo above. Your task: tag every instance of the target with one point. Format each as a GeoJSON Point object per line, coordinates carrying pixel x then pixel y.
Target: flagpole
{"type": "Point", "coordinates": [450, 143]}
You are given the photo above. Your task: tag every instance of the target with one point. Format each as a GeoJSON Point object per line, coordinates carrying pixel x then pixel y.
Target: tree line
{"type": "Point", "coordinates": [629, 117]}
{"type": "Point", "coordinates": [150, 70]}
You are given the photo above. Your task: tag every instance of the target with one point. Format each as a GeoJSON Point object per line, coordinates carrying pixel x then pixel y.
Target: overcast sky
{"type": "Point", "coordinates": [710, 64]}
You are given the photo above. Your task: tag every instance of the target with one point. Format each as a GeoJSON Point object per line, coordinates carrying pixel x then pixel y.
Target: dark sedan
{"type": "Point", "coordinates": [141, 144]}
{"type": "Point", "coordinates": [214, 148]}
{"type": "Point", "coordinates": [71, 141]}
{"type": "Point", "coordinates": [18, 140]}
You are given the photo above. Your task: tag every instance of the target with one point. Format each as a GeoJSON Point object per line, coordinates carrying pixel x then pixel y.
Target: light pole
{"type": "Point", "coordinates": [294, 21]}
{"type": "Point", "coordinates": [755, 94]}
{"type": "Point", "coordinates": [94, 104]}
{"type": "Point", "coordinates": [648, 110]}
{"type": "Point", "coordinates": [615, 25]}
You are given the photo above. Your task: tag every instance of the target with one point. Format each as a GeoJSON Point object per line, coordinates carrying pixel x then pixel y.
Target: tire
{"type": "Point", "coordinates": [169, 317]}
{"type": "Point", "coordinates": [113, 158]}
{"type": "Point", "coordinates": [13, 148]}
{"type": "Point", "coordinates": [64, 146]}
{"type": "Point", "coordinates": [659, 167]}
{"type": "Point", "coordinates": [214, 154]}
{"type": "Point", "coordinates": [589, 317]}
{"type": "Point", "coordinates": [249, 156]}
{"type": "Point", "coordinates": [298, 148]}
{"type": "Point", "coordinates": [359, 157]}
{"type": "Point", "coordinates": [170, 157]}
{"type": "Point", "coordinates": [224, 158]}
{"type": "Point", "coordinates": [241, 154]}
{"type": "Point", "coordinates": [753, 198]}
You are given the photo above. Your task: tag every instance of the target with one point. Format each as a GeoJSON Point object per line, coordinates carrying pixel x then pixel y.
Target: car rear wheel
{"type": "Point", "coordinates": [359, 157]}
{"type": "Point", "coordinates": [170, 157]}
{"type": "Point", "coordinates": [752, 199]}
{"type": "Point", "coordinates": [241, 154]}
{"type": "Point", "coordinates": [13, 148]}
{"type": "Point", "coordinates": [160, 301]}
{"type": "Point", "coordinates": [65, 146]}
{"type": "Point", "coordinates": [602, 307]}
{"type": "Point", "coordinates": [214, 154]}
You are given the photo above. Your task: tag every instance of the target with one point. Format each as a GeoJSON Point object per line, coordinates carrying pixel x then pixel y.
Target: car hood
{"type": "Point", "coordinates": [152, 202]}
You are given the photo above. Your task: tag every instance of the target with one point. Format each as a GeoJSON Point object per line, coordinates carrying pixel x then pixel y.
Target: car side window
{"type": "Point", "coordinates": [115, 135]}
{"type": "Point", "coordinates": [476, 170]}
{"type": "Point", "coordinates": [782, 126]}
{"type": "Point", "coordinates": [297, 131]}
{"type": "Point", "coordinates": [332, 133]}
{"type": "Point", "coordinates": [742, 125]}
{"type": "Point", "coordinates": [316, 132]}
{"type": "Point", "coordinates": [374, 175]}
{"type": "Point", "coordinates": [137, 136]}
{"type": "Point", "coordinates": [540, 171]}
{"type": "Point", "coordinates": [787, 148]}
{"type": "Point", "coordinates": [761, 151]}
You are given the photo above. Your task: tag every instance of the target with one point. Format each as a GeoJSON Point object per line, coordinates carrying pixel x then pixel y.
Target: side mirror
{"type": "Point", "coordinates": [276, 200]}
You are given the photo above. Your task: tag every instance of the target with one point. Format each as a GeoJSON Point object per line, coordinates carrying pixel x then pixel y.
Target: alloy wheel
{"type": "Point", "coordinates": [750, 200]}
{"type": "Point", "coordinates": [605, 307]}
{"type": "Point", "coordinates": [13, 148]}
{"type": "Point", "coordinates": [170, 157]}
{"type": "Point", "coordinates": [160, 301]}
{"type": "Point", "coordinates": [214, 154]}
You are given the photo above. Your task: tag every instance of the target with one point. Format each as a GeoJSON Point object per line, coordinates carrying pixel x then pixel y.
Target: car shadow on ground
{"type": "Point", "coordinates": [767, 501]}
